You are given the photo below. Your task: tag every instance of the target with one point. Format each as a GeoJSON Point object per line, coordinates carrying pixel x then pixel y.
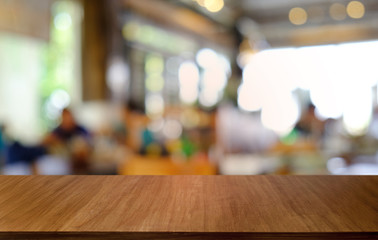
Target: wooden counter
{"type": "Point", "coordinates": [188, 207]}
{"type": "Point", "coordinates": [139, 165]}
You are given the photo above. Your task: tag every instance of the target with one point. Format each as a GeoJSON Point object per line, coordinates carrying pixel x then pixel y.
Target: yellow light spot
{"type": "Point", "coordinates": [201, 3]}
{"type": "Point", "coordinates": [356, 9]}
{"type": "Point", "coordinates": [130, 31]}
{"type": "Point", "coordinates": [298, 16]}
{"type": "Point", "coordinates": [155, 83]}
{"type": "Point", "coordinates": [337, 11]}
{"type": "Point", "coordinates": [214, 5]}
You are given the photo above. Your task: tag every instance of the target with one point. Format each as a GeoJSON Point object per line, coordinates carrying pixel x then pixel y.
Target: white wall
{"type": "Point", "coordinates": [20, 73]}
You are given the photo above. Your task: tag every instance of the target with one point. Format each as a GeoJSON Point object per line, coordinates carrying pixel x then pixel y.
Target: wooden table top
{"type": "Point", "coordinates": [189, 207]}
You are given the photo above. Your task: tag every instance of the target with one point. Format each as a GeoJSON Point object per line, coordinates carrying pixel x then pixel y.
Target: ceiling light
{"type": "Point", "coordinates": [214, 5]}
{"type": "Point", "coordinates": [356, 9]}
{"type": "Point", "coordinates": [298, 16]}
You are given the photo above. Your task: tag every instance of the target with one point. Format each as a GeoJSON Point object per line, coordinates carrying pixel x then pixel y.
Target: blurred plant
{"type": "Point", "coordinates": [59, 59]}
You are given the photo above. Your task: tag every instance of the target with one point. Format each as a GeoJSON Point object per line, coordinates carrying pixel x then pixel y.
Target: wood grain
{"type": "Point", "coordinates": [188, 207]}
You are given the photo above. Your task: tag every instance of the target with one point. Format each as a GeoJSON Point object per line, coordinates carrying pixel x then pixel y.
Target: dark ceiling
{"type": "Point", "coordinates": [268, 19]}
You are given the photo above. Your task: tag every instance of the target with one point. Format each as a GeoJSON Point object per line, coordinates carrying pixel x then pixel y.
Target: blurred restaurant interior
{"type": "Point", "coordinates": [195, 87]}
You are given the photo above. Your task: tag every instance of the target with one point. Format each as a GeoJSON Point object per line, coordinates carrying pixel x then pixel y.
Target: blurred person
{"type": "Point", "coordinates": [110, 145]}
{"type": "Point", "coordinates": [150, 145]}
{"type": "Point", "coordinates": [18, 158]}
{"type": "Point", "coordinates": [120, 128]}
{"type": "Point", "coordinates": [72, 141]}
{"type": "Point", "coordinates": [373, 127]}
{"type": "Point", "coordinates": [2, 146]}
{"type": "Point", "coordinates": [309, 125]}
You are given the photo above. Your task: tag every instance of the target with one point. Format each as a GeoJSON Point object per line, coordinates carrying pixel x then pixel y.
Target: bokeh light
{"type": "Point", "coordinates": [355, 9]}
{"type": "Point", "coordinates": [206, 58]}
{"type": "Point", "coordinates": [298, 16]}
{"type": "Point", "coordinates": [62, 21]}
{"type": "Point", "coordinates": [358, 110]}
{"type": "Point", "coordinates": [154, 105]}
{"type": "Point", "coordinates": [118, 76]}
{"type": "Point", "coordinates": [154, 82]}
{"type": "Point", "coordinates": [336, 165]}
{"type": "Point", "coordinates": [189, 80]}
{"type": "Point", "coordinates": [282, 115]}
{"type": "Point", "coordinates": [338, 78]}
{"type": "Point", "coordinates": [209, 97]}
{"type": "Point", "coordinates": [190, 118]}
{"type": "Point", "coordinates": [337, 11]}
{"type": "Point", "coordinates": [154, 64]}
{"type": "Point", "coordinates": [201, 3]}
{"type": "Point", "coordinates": [60, 99]}
{"type": "Point", "coordinates": [248, 98]}
{"type": "Point", "coordinates": [216, 70]}
{"type": "Point", "coordinates": [214, 5]}
{"type": "Point", "coordinates": [172, 129]}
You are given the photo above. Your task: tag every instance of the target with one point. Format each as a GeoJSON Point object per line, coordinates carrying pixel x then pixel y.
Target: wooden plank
{"type": "Point", "coordinates": [189, 236]}
{"type": "Point", "coordinates": [189, 207]}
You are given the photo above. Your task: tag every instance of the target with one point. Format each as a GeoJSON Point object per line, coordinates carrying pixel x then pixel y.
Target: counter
{"type": "Point", "coordinates": [188, 207]}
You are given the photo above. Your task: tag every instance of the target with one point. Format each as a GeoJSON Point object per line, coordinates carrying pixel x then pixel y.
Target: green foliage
{"type": "Point", "coordinates": [58, 55]}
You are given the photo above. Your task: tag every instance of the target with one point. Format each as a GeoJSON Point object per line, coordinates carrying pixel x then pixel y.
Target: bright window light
{"type": "Point", "coordinates": [189, 82]}
{"type": "Point", "coordinates": [339, 79]}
